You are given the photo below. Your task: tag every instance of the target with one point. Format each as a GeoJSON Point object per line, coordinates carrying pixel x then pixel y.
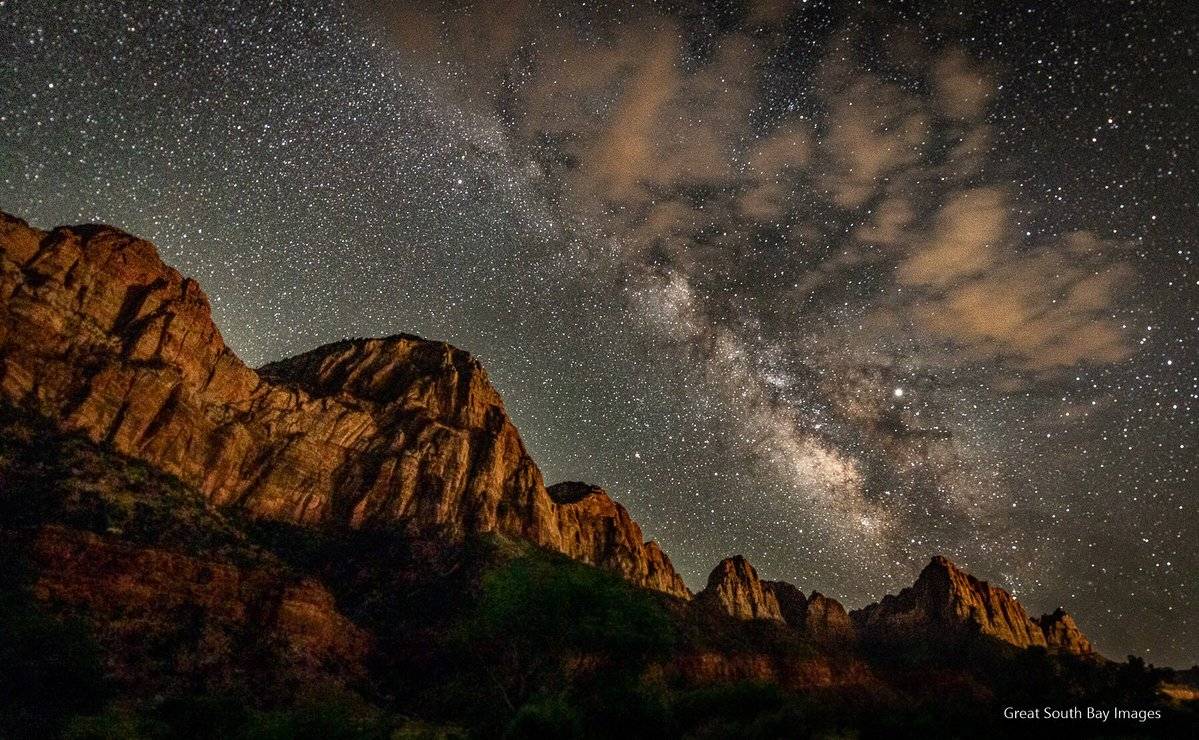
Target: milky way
{"type": "Point", "coordinates": [833, 288]}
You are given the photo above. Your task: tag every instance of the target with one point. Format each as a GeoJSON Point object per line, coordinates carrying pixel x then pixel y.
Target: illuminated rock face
{"type": "Point", "coordinates": [946, 601]}
{"type": "Point", "coordinates": [734, 587]}
{"type": "Point", "coordinates": [1062, 633]}
{"type": "Point", "coordinates": [98, 334]}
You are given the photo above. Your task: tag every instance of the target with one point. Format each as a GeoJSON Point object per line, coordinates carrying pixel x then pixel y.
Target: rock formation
{"type": "Point", "coordinates": [793, 605]}
{"type": "Point", "coordinates": [827, 621]}
{"type": "Point", "coordinates": [599, 531]}
{"type": "Point", "coordinates": [204, 617]}
{"type": "Point", "coordinates": [819, 617]}
{"type": "Point", "coordinates": [734, 587]}
{"type": "Point", "coordinates": [98, 334]}
{"type": "Point", "coordinates": [1062, 633]}
{"type": "Point", "coordinates": [946, 601]}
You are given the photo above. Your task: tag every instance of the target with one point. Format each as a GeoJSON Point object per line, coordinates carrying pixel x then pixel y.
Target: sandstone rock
{"type": "Point", "coordinates": [97, 333]}
{"type": "Point", "coordinates": [208, 619]}
{"type": "Point", "coordinates": [793, 605]}
{"type": "Point", "coordinates": [734, 587]}
{"type": "Point", "coordinates": [946, 601]}
{"type": "Point", "coordinates": [827, 621]}
{"type": "Point", "coordinates": [820, 618]}
{"type": "Point", "coordinates": [1062, 633]}
{"type": "Point", "coordinates": [597, 530]}
{"type": "Point", "coordinates": [792, 672]}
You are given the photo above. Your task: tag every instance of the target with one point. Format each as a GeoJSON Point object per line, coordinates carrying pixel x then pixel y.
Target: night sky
{"type": "Point", "coordinates": [836, 287]}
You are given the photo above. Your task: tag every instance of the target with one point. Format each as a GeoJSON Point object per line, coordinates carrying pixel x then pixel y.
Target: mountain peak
{"type": "Point", "coordinates": [99, 334]}
{"type": "Point", "coordinates": [945, 600]}
{"type": "Point", "coordinates": [734, 587]}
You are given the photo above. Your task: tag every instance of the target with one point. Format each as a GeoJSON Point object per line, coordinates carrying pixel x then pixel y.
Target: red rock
{"type": "Point", "coordinates": [791, 672]}
{"type": "Point", "coordinates": [734, 587]}
{"type": "Point", "coordinates": [599, 531]}
{"type": "Point", "coordinates": [827, 621]}
{"type": "Point", "coordinates": [214, 617]}
{"type": "Point", "coordinates": [98, 334]}
{"type": "Point", "coordinates": [1062, 633]}
{"type": "Point", "coordinates": [946, 601]}
{"type": "Point", "coordinates": [818, 617]}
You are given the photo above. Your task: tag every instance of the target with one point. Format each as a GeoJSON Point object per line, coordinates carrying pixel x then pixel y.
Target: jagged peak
{"type": "Point", "coordinates": [1062, 633]}
{"type": "Point", "coordinates": [734, 587]}
{"type": "Point", "coordinates": [383, 370]}
{"type": "Point", "coordinates": [946, 599]}
{"type": "Point", "coordinates": [736, 567]}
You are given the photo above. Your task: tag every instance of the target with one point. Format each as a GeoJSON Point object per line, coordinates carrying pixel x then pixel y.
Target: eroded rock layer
{"type": "Point", "coordinates": [98, 333]}
{"type": "Point", "coordinates": [211, 619]}
{"type": "Point", "coordinates": [947, 601]}
{"type": "Point", "coordinates": [734, 587]}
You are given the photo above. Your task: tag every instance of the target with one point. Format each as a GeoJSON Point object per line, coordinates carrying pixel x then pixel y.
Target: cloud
{"type": "Point", "coordinates": [966, 237]}
{"type": "Point", "coordinates": [1042, 309]}
{"type": "Point", "coordinates": [874, 130]}
{"type": "Point", "coordinates": [963, 87]}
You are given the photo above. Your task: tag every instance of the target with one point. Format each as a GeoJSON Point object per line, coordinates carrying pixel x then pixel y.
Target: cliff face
{"type": "Point", "coordinates": [101, 336]}
{"type": "Point", "coordinates": [734, 587]}
{"type": "Point", "coordinates": [946, 601]}
{"type": "Point", "coordinates": [98, 333]}
{"type": "Point", "coordinates": [1062, 633]}
{"type": "Point", "coordinates": [213, 621]}
{"type": "Point", "coordinates": [599, 531]}
{"type": "Point", "coordinates": [827, 621]}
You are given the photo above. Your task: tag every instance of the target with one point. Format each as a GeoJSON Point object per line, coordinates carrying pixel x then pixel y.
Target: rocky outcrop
{"type": "Point", "coordinates": [946, 602]}
{"type": "Point", "coordinates": [1062, 633]}
{"type": "Point", "coordinates": [599, 531]}
{"type": "Point", "coordinates": [213, 620]}
{"type": "Point", "coordinates": [818, 617]}
{"type": "Point", "coordinates": [792, 672]}
{"type": "Point", "coordinates": [793, 605]}
{"type": "Point", "coordinates": [97, 333]}
{"type": "Point", "coordinates": [827, 621]}
{"type": "Point", "coordinates": [734, 587]}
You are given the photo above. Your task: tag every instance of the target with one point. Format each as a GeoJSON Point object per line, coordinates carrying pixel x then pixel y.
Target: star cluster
{"type": "Point", "coordinates": [833, 286]}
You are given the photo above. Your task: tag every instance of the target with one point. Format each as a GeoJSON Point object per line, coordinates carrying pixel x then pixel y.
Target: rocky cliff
{"type": "Point", "coordinates": [599, 531]}
{"type": "Point", "coordinates": [98, 334]}
{"type": "Point", "coordinates": [946, 601]}
{"type": "Point", "coordinates": [101, 336]}
{"type": "Point", "coordinates": [1062, 633]}
{"type": "Point", "coordinates": [735, 589]}
{"type": "Point", "coordinates": [201, 619]}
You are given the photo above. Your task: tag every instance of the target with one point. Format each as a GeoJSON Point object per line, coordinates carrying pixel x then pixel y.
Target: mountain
{"type": "Point", "coordinates": [99, 334]}
{"type": "Point", "coordinates": [734, 588]}
{"type": "Point", "coordinates": [946, 601]}
{"type": "Point", "coordinates": [187, 540]}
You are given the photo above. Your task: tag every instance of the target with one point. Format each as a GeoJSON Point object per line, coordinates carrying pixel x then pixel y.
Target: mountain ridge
{"type": "Point", "coordinates": [100, 334]}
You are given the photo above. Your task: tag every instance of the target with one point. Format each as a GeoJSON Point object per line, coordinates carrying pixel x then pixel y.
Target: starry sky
{"type": "Point", "coordinates": [837, 286]}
